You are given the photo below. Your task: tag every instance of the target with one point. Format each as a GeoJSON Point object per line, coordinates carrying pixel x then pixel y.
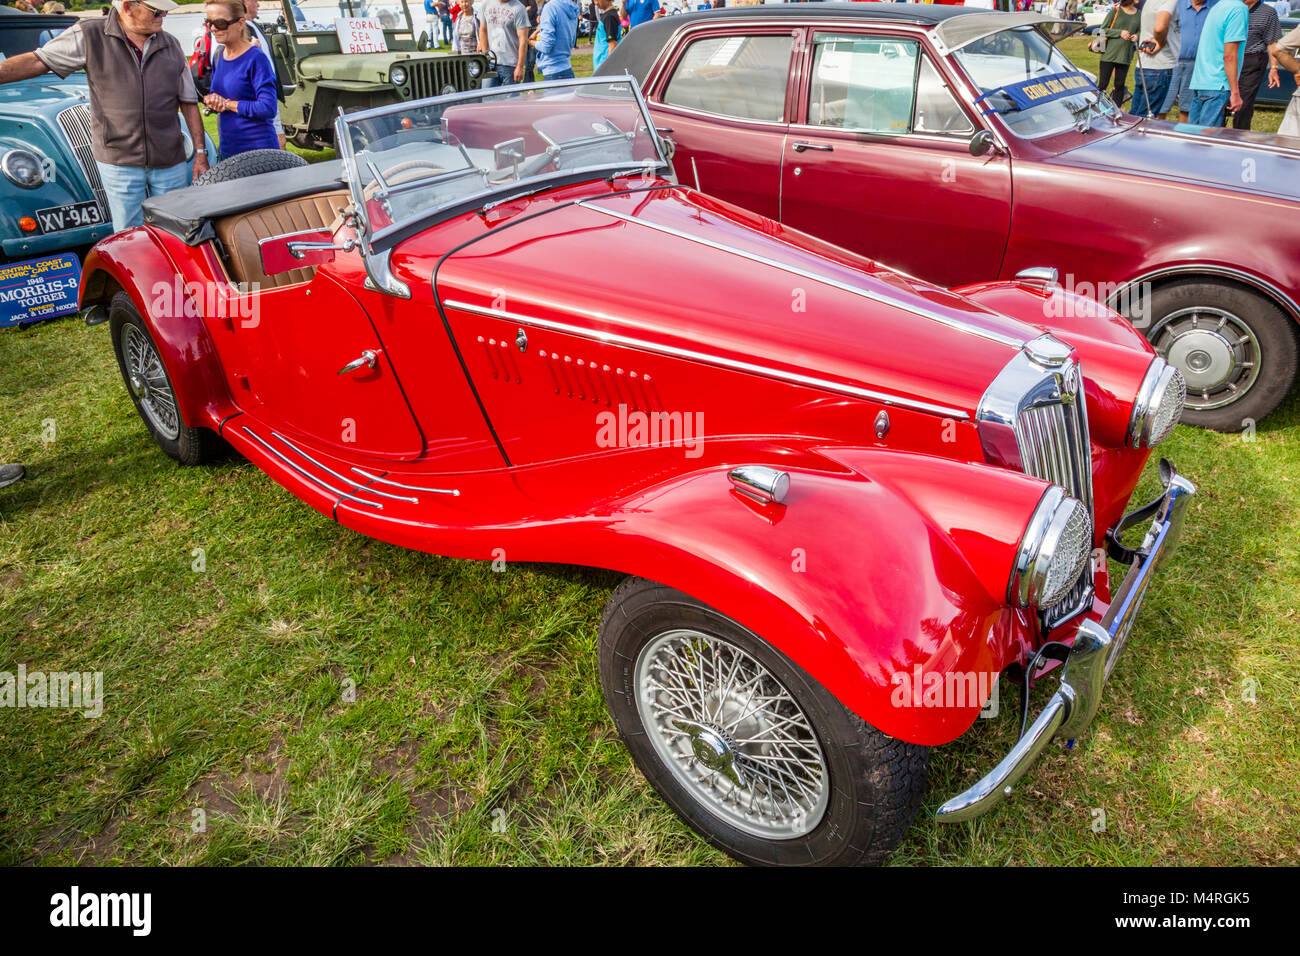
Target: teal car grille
{"type": "Point", "coordinates": [75, 123]}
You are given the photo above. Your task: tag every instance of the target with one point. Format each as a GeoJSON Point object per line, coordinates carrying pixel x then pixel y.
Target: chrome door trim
{"type": "Point", "coordinates": [880, 297]}
{"type": "Point", "coordinates": [613, 338]}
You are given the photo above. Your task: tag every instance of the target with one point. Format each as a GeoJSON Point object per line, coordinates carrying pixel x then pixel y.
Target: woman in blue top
{"type": "Point", "coordinates": [243, 84]}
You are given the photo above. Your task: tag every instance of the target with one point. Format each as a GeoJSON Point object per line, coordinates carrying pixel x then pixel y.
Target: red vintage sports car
{"type": "Point", "coordinates": [846, 500]}
{"type": "Point", "coordinates": [957, 145]}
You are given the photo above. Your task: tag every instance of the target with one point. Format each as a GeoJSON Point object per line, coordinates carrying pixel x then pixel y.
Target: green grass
{"type": "Point", "coordinates": [476, 691]}
{"type": "Point", "coordinates": [477, 700]}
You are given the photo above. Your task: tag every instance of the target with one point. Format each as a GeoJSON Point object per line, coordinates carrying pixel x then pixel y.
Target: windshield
{"type": "Point", "coordinates": [1032, 85]}
{"type": "Point", "coordinates": [16, 38]}
{"type": "Point", "coordinates": [408, 162]}
{"type": "Point", "coordinates": [318, 16]}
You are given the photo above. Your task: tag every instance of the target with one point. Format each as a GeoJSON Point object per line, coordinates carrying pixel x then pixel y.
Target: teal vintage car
{"type": "Point", "coordinates": [52, 204]}
{"type": "Point", "coordinates": [51, 198]}
{"type": "Point", "coordinates": [50, 194]}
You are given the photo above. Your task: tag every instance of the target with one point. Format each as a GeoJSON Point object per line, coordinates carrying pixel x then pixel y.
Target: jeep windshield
{"type": "Point", "coordinates": [318, 16]}
{"type": "Point", "coordinates": [1014, 67]}
{"type": "Point", "coordinates": [410, 164]}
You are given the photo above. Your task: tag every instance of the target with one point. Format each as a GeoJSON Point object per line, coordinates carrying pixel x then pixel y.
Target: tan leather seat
{"type": "Point", "coordinates": [241, 233]}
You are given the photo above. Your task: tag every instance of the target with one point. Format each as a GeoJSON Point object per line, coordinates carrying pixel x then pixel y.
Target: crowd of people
{"type": "Point", "coordinates": [526, 36]}
{"type": "Point", "coordinates": [1207, 57]}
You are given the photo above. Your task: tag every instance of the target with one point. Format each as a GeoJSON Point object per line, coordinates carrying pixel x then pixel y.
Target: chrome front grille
{"type": "Point", "coordinates": [430, 76]}
{"type": "Point", "coordinates": [1054, 445]}
{"type": "Point", "coordinates": [1034, 417]}
{"type": "Point", "coordinates": [75, 123]}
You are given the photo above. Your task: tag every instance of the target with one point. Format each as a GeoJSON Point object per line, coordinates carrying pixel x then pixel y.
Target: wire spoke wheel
{"type": "Point", "coordinates": [148, 382]}
{"type": "Point", "coordinates": [731, 734]}
{"type": "Point", "coordinates": [1217, 352]}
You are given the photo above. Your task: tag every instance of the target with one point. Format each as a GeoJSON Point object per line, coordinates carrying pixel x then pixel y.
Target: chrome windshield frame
{"type": "Point", "coordinates": [384, 239]}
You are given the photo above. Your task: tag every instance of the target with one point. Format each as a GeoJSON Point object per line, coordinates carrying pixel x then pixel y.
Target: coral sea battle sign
{"type": "Point", "coordinates": [360, 35]}
{"type": "Point", "coordinates": [38, 289]}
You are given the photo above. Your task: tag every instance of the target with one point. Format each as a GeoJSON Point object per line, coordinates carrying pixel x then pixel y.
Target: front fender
{"type": "Point", "coordinates": [137, 262]}
{"type": "Point", "coordinates": [863, 578]}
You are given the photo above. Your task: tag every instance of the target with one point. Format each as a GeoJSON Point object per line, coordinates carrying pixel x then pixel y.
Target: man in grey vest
{"type": "Point", "coordinates": [138, 78]}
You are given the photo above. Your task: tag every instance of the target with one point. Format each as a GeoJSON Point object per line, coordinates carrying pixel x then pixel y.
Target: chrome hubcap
{"type": "Point", "coordinates": [148, 381]}
{"type": "Point", "coordinates": [1216, 351]}
{"type": "Point", "coordinates": [731, 734]}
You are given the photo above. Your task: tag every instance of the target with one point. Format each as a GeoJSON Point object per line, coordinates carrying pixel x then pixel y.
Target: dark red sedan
{"type": "Point", "coordinates": [958, 144]}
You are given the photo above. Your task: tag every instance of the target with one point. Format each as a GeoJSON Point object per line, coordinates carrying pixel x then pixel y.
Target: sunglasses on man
{"type": "Point", "coordinates": [157, 14]}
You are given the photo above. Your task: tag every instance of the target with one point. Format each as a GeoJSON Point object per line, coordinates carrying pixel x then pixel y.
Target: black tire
{"type": "Point", "coordinates": [875, 782]}
{"type": "Point", "coordinates": [189, 446]}
{"type": "Point", "coordinates": [1277, 354]}
{"type": "Point", "coordinates": [252, 163]}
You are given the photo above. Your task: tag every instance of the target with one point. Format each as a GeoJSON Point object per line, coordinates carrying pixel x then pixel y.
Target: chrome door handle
{"type": "Point", "coordinates": [820, 147]}
{"type": "Point", "coordinates": [365, 358]}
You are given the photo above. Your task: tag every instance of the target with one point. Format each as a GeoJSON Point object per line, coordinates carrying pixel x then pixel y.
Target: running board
{"type": "Point", "coordinates": [369, 491]}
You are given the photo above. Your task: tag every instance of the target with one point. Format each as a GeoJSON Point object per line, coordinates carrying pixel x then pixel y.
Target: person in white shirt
{"type": "Point", "coordinates": [1158, 42]}
{"type": "Point", "coordinates": [1285, 51]}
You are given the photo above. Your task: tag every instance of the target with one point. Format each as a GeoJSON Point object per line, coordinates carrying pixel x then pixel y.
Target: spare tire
{"type": "Point", "coordinates": [251, 163]}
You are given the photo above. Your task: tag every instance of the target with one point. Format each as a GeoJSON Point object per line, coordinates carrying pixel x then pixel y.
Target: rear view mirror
{"type": "Point", "coordinates": [298, 250]}
{"type": "Point", "coordinates": [981, 142]}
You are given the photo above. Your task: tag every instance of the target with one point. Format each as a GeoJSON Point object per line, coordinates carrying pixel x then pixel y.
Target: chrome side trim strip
{"type": "Point", "coordinates": [1263, 285]}
{"type": "Point", "coordinates": [343, 478]}
{"type": "Point", "coordinates": [397, 484]}
{"type": "Point", "coordinates": [798, 379]}
{"type": "Point", "coordinates": [343, 495]}
{"type": "Point", "coordinates": [882, 298]}
{"type": "Point", "coordinates": [1239, 144]}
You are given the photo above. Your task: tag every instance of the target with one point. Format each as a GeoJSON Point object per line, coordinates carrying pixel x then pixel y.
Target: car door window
{"type": "Point", "coordinates": [937, 111]}
{"type": "Point", "coordinates": [741, 76]}
{"type": "Point", "coordinates": [861, 83]}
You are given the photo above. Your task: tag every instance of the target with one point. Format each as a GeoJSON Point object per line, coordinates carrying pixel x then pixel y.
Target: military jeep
{"type": "Point", "coordinates": [317, 75]}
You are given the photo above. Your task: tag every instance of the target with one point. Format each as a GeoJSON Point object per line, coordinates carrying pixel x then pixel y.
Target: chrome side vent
{"type": "Point", "coordinates": [1034, 418]}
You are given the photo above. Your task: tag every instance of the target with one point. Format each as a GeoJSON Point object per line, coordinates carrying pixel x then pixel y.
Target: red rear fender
{"type": "Point", "coordinates": [161, 282]}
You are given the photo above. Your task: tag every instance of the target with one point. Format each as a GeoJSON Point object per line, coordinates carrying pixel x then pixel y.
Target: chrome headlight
{"type": "Point", "coordinates": [1056, 547]}
{"type": "Point", "coordinates": [1158, 405]}
{"type": "Point", "coordinates": [22, 167]}
{"type": "Point", "coordinates": [397, 76]}
{"type": "Point", "coordinates": [447, 89]}
{"type": "Point", "coordinates": [474, 69]}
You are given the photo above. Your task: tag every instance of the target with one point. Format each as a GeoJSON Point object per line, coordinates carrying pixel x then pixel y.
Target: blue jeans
{"type": "Point", "coordinates": [446, 30]}
{"type": "Point", "coordinates": [1180, 87]}
{"type": "Point", "coordinates": [126, 187]}
{"type": "Point", "coordinates": [506, 74]}
{"type": "Point", "coordinates": [561, 75]}
{"type": "Point", "coordinates": [1207, 107]}
{"type": "Point", "coordinates": [1150, 87]}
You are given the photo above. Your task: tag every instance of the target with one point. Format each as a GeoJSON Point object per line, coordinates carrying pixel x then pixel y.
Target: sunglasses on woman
{"type": "Point", "coordinates": [222, 24]}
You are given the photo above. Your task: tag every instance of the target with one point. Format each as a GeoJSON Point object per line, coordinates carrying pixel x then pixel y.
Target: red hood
{"type": "Point", "coordinates": [677, 270]}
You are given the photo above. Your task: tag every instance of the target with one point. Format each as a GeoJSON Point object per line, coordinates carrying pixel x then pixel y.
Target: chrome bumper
{"type": "Point", "coordinates": [1092, 658]}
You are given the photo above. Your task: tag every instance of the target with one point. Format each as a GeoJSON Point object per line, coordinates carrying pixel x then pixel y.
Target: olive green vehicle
{"type": "Point", "coordinates": [316, 79]}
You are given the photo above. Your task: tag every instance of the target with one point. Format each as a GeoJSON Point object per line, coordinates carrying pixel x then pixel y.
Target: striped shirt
{"type": "Point", "coordinates": [1263, 30]}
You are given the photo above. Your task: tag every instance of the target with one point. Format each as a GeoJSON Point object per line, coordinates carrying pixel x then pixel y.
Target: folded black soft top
{"type": "Point", "coordinates": [188, 213]}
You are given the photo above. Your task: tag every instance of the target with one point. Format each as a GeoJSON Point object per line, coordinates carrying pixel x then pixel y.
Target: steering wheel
{"type": "Point", "coordinates": [413, 164]}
